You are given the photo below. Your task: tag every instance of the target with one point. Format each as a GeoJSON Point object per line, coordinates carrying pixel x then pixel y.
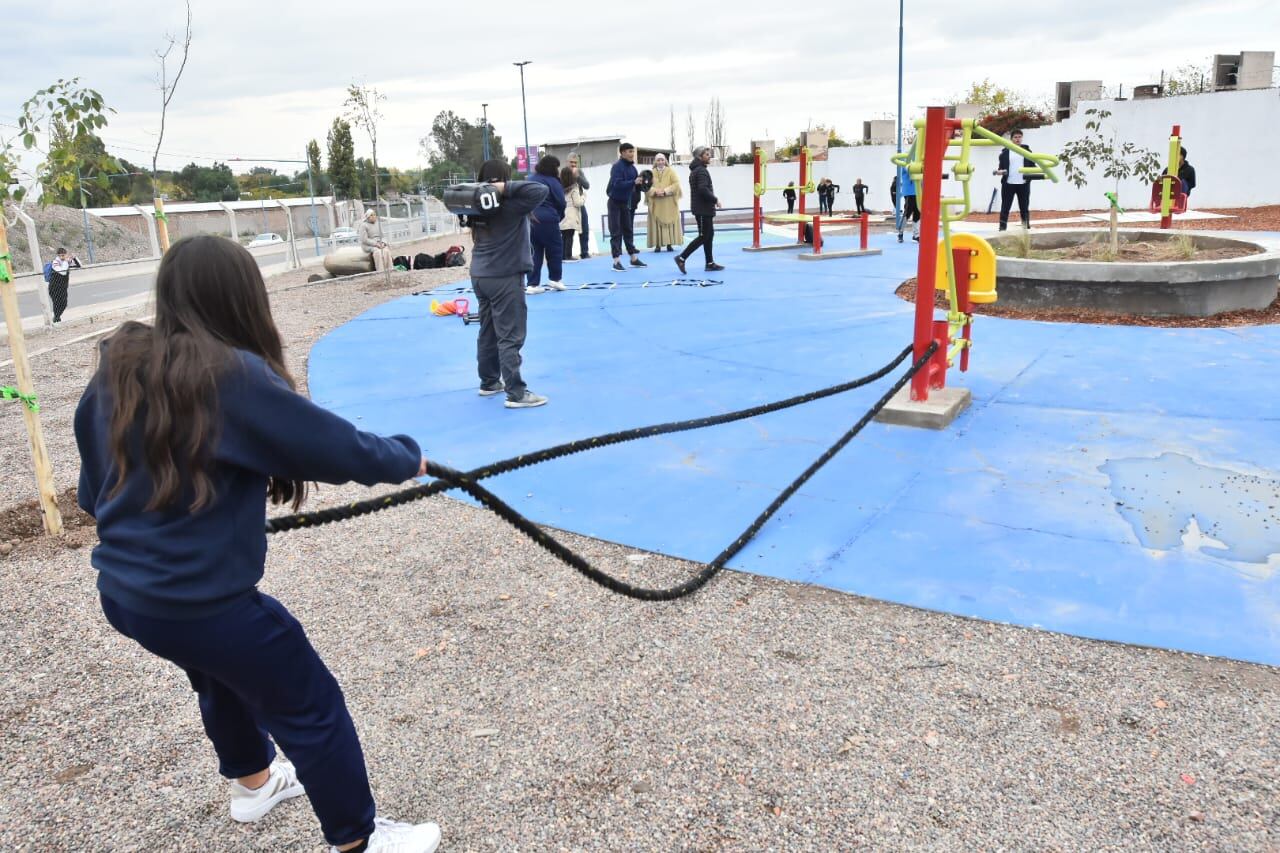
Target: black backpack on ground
{"type": "Point", "coordinates": [422, 261]}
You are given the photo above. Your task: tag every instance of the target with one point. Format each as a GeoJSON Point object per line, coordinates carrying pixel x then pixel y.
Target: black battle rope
{"type": "Point", "coordinates": [450, 478]}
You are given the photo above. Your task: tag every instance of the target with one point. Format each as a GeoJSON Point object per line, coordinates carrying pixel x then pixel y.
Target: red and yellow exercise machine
{"type": "Point", "coordinates": [1167, 197]}
{"type": "Point", "coordinates": [760, 187]}
{"type": "Point", "coordinates": [967, 267]}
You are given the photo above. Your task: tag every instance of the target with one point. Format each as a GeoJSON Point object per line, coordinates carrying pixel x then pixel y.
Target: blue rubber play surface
{"type": "Point", "coordinates": [1119, 483]}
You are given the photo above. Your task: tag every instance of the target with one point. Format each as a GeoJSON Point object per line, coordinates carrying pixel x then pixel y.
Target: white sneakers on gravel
{"type": "Point", "coordinates": [389, 836]}
{"type": "Point", "coordinates": [248, 806]}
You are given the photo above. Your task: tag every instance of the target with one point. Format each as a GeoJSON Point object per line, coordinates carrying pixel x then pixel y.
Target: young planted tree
{"type": "Point", "coordinates": [715, 126]}
{"type": "Point", "coordinates": [363, 111]}
{"type": "Point", "coordinates": [168, 87]}
{"type": "Point", "coordinates": [80, 112]}
{"type": "Point", "coordinates": [691, 130]}
{"type": "Point", "coordinates": [1099, 148]}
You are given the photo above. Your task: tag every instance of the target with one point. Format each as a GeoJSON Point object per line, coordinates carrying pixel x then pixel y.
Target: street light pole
{"type": "Point", "coordinates": [88, 230]}
{"type": "Point", "coordinates": [485, 107]}
{"type": "Point", "coordinates": [528, 155]}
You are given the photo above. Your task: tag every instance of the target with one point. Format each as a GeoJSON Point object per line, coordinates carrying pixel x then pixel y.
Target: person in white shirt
{"type": "Point", "coordinates": [60, 281]}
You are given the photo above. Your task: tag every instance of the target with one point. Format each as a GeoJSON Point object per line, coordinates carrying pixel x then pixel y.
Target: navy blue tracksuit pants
{"type": "Point", "coordinates": [546, 242]}
{"type": "Point", "coordinates": [257, 674]}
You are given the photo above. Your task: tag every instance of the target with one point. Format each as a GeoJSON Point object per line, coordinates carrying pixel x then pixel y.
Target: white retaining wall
{"type": "Point", "coordinates": [1232, 139]}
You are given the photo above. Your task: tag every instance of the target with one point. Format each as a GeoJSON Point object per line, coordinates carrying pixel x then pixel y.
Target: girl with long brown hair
{"type": "Point", "coordinates": [186, 429]}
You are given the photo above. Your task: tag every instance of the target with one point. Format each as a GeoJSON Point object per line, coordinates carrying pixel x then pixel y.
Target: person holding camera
{"type": "Point", "coordinates": [501, 257]}
{"type": "Point", "coordinates": [623, 180]}
{"type": "Point", "coordinates": [59, 278]}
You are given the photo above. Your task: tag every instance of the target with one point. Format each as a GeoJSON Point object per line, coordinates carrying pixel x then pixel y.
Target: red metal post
{"type": "Point", "coordinates": [866, 227]}
{"type": "Point", "coordinates": [817, 235]}
{"type": "Point", "coordinates": [935, 146]}
{"type": "Point", "coordinates": [964, 278]}
{"type": "Point", "coordinates": [755, 218]}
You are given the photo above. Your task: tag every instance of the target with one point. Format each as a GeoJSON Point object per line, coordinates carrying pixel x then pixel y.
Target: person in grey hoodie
{"type": "Point", "coordinates": [501, 256]}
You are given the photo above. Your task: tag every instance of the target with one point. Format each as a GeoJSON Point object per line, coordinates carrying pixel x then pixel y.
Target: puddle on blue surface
{"type": "Point", "coordinates": [1174, 502]}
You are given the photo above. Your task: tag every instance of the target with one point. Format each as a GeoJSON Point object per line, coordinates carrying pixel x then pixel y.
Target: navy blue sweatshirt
{"type": "Point", "coordinates": [551, 208]}
{"type": "Point", "coordinates": [622, 182]}
{"type": "Point", "coordinates": [175, 564]}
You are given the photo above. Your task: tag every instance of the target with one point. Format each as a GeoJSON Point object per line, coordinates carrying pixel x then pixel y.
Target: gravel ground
{"type": "Point", "coordinates": [525, 709]}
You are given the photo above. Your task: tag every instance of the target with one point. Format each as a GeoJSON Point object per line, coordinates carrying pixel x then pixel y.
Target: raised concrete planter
{"type": "Point", "coordinates": [1178, 288]}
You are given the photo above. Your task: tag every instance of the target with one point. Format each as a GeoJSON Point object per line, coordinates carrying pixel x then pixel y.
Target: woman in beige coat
{"type": "Point", "coordinates": [573, 203]}
{"type": "Point", "coordinates": [664, 207]}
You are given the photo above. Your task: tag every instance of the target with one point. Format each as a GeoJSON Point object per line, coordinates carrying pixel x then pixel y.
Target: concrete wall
{"type": "Point", "coordinates": [1231, 137]}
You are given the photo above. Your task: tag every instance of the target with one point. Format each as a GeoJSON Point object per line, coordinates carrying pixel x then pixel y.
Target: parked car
{"type": "Point", "coordinates": [265, 240]}
{"type": "Point", "coordinates": [344, 235]}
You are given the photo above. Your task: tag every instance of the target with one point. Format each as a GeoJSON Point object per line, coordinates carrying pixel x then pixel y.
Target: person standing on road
{"type": "Point", "coordinates": [623, 180]}
{"type": "Point", "coordinates": [704, 204]}
{"type": "Point", "coordinates": [60, 281]}
{"type": "Point", "coordinates": [184, 429]}
{"type": "Point", "coordinates": [501, 256]}
{"type": "Point", "coordinates": [373, 244]}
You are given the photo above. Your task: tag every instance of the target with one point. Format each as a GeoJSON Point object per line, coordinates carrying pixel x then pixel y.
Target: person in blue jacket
{"type": "Point", "coordinates": [623, 180]}
{"type": "Point", "coordinates": [544, 232]}
{"type": "Point", "coordinates": [184, 431]}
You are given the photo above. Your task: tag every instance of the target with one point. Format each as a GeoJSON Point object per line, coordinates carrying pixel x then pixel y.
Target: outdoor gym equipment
{"type": "Point", "coordinates": [969, 262]}
{"type": "Point", "coordinates": [761, 186]}
{"type": "Point", "coordinates": [815, 221]}
{"type": "Point", "coordinates": [1167, 198]}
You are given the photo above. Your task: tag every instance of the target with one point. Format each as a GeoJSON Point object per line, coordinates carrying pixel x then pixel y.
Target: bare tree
{"type": "Point", "coordinates": [673, 129]}
{"type": "Point", "coordinates": [715, 126]}
{"type": "Point", "coordinates": [362, 108]}
{"type": "Point", "coordinates": [690, 127]}
{"type": "Point", "coordinates": [168, 88]}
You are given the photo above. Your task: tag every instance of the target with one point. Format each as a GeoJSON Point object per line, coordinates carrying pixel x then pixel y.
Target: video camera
{"type": "Point", "coordinates": [472, 199]}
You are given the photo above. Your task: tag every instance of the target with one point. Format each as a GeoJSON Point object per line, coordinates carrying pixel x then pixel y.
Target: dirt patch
{"type": "Point", "coordinates": [1266, 316]}
{"type": "Point", "coordinates": [1137, 251]}
{"type": "Point", "coordinates": [1265, 218]}
{"type": "Point", "coordinates": [22, 522]}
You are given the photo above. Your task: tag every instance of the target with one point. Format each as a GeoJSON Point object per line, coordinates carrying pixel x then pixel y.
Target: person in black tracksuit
{"type": "Point", "coordinates": [860, 195]}
{"type": "Point", "coordinates": [703, 203]}
{"type": "Point", "coordinates": [1187, 173]}
{"type": "Point", "coordinates": [60, 281]}
{"type": "Point", "coordinates": [789, 194]}
{"type": "Point", "coordinates": [1014, 184]}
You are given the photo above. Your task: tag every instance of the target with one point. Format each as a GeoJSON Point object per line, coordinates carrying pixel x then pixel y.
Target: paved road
{"type": "Point", "coordinates": [86, 291]}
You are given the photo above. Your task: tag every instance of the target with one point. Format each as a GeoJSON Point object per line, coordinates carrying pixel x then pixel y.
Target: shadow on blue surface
{"type": "Point", "coordinates": [1111, 482]}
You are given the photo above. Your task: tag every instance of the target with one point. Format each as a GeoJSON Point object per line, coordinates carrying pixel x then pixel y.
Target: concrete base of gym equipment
{"type": "Point", "coordinates": [943, 406]}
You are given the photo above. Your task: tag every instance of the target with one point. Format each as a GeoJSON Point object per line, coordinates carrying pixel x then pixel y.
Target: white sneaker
{"type": "Point", "coordinates": [534, 291]}
{"type": "Point", "coordinates": [528, 401]}
{"type": "Point", "coordinates": [248, 806]}
{"type": "Point", "coordinates": [389, 836]}
{"type": "Point", "coordinates": [555, 285]}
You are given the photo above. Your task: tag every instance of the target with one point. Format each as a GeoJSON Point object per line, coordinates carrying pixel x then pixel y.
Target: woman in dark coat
{"type": "Point", "coordinates": [703, 203]}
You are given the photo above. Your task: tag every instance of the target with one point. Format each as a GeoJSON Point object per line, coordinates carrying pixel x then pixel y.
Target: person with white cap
{"type": "Point", "coordinates": [372, 243]}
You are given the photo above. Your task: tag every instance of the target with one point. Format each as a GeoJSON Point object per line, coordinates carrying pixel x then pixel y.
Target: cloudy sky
{"type": "Point", "coordinates": [265, 77]}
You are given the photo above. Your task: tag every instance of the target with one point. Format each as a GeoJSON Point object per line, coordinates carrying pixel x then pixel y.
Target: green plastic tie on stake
{"type": "Point", "coordinates": [8, 392]}
{"type": "Point", "coordinates": [162, 216]}
{"type": "Point", "coordinates": [5, 275]}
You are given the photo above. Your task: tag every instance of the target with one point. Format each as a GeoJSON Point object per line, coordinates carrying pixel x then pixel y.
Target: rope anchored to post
{"type": "Point", "coordinates": [468, 481]}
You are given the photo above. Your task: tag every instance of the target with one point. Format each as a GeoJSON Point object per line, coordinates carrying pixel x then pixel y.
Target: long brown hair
{"type": "Point", "coordinates": [210, 300]}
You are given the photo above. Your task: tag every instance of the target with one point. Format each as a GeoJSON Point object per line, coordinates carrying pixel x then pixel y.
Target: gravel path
{"type": "Point", "coordinates": [525, 709]}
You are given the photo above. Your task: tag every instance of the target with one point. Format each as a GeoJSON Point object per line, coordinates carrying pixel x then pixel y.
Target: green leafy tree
{"type": "Point", "coordinates": [132, 184]}
{"type": "Point", "coordinates": [363, 109]}
{"type": "Point", "coordinates": [993, 98]}
{"type": "Point", "coordinates": [1190, 78]}
{"type": "Point", "coordinates": [342, 160]}
{"type": "Point", "coordinates": [1099, 147]}
{"type": "Point", "coordinates": [366, 185]}
{"type": "Point", "coordinates": [207, 183]}
{"type": "Point", "coordinates": [75, 182]}
{"type": "Point", "coordinates": [62, 120]}
{"type": "Point", "coordinates": [453, 139]}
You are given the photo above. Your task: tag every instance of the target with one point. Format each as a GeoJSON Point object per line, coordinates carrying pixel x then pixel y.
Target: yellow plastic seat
{"type": "Point", "coordinates": [982, 267]}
